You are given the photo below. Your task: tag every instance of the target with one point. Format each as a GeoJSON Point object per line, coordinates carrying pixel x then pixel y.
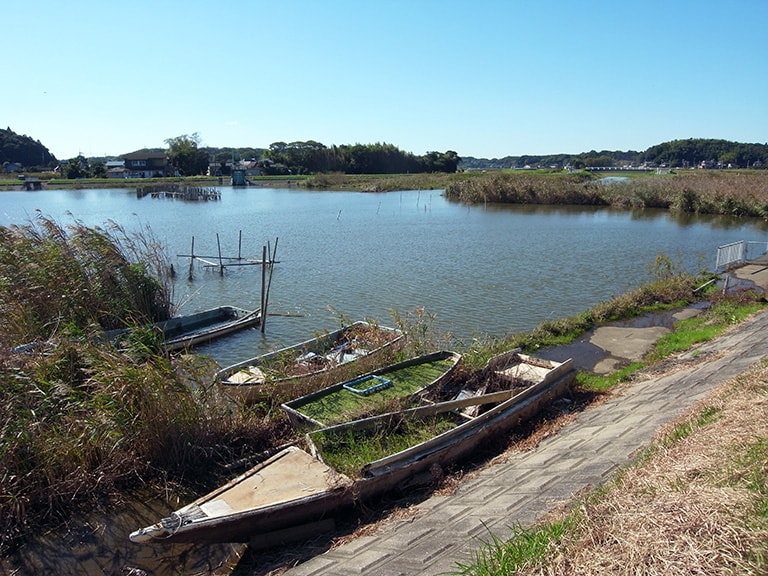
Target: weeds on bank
{"type": "Point", "coordinates": [695, 501]}
{"type": "Point", "coordinates": [498, 557]}
{"type": "Point", "coordinates": [666, 293]}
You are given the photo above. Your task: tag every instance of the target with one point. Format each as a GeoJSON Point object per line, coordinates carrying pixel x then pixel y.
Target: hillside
{"type": "Point", "coordinates": [23, 150]}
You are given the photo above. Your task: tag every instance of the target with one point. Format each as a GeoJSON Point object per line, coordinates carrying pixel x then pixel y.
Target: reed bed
{"type": "Point", "coordinates": [78, 278]}
{"type": "Point", "coordinates": [80, 418]}
{"type": "Point", "coordinates": [733, 193]}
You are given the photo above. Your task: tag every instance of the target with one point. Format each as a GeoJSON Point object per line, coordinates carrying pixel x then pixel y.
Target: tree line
{"type": "Point", "coordinates": [190, 158]}
{"type": "Point", "coordinates": [313, 157]}
{"type": "Point", "coordinates": [693, 152]}
{"type": "Point", "coordinates": [708, 153]}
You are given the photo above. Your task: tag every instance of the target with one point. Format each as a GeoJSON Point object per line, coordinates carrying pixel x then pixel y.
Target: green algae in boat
{"type": "Point", "coordinates": [379, 391]}
{"type": "Point", "coordinates": [299, 492]}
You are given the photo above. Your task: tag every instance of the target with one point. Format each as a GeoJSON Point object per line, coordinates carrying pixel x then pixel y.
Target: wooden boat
{"type": "Point", "coordinates": [374, 392]}
{"type": "Point", "coordinates": [360, 343]}
{"type": "Point", "coordinates": [186, 331]}
{"type": "Point", "coordinates": [296, 493]}
{"type": "Point", "coordinates": [182, 332]}
{"type": "Point", "coordinates": [290, 489]}
{"type": "Point", "coordinates": [459, 426]}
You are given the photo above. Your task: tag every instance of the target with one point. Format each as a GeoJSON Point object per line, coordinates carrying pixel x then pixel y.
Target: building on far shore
{"type": "Point", "coordinates": [146, 165]}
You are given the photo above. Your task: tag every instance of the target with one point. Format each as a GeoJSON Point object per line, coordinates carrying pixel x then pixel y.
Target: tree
{"type": "Point", "coordinates": [185, 155]}
{"type": "Point", "coordinates": [77, 168]}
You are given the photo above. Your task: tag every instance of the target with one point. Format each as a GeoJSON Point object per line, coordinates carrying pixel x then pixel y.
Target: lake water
{"type": "Point", "coordinates": [482, 270]}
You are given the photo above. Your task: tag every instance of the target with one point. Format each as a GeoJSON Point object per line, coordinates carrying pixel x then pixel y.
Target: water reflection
{"type": "Point", "coordinates": [96, 543]}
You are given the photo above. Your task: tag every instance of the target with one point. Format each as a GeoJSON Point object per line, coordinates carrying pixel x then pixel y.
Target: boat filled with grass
{"type": "Point", "coordinates": [299, 491]}
{"type": "Point", "coordinates": [384, 390]}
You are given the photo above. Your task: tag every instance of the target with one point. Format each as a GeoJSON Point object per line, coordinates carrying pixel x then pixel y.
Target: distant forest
{"type": "Point", "coordinates": [694, 152]}
{"type": "Point", "coordinates": [311, 157]}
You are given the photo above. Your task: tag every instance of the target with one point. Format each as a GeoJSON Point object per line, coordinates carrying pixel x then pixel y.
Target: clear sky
{"type": "Point", "coordinates": [485, 78]}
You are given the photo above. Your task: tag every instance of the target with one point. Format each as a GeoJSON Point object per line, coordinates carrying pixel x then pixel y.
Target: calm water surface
{"type": "Point", "coordinates": [482, 270]}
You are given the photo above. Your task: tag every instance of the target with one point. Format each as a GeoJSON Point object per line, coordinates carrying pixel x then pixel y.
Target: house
{"type": "Point", "coordinates": [115, 169]}
{"type": "Point", "coordinates": [13, 167]}
{"type": "Point", "coordinates": [146, 165]}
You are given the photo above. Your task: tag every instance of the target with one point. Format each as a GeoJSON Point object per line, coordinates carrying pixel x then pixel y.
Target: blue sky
{"type": "Point", "coordinates": [485, 78]}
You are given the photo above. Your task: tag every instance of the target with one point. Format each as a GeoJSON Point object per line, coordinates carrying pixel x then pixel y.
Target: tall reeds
{"type": "Point", "coordinates": [80, 418]}
{"type": "Point", "coordinates": [78, 278]}
{"type": "Point", "coordinates": [732, 193]}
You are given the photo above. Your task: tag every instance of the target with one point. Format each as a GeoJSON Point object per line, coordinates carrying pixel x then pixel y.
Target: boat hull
{"type": "Point", "coordinates": [236, 381]}
{"type": "Point", "coordinates": [290, 489]}
{"type": "Point", "coordinates": [295, 488]}
{"type": "Point", "coordinates": [183, 332]}
{"type": "Point", "coordinates": [298, 409]}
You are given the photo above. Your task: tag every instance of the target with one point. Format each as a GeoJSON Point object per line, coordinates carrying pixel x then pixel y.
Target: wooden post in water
{"type": "Point", "coordinates": [263, 290]}
{"type": "Point", "coordinates": [240, 245]}
{"type": "Point", "coordinates": [221, 261]}
{"type": "Point", "coordinates": [269, 282]}
{"type": "Point", "coordinates": [191, 260]}
{"type": "Point", "coordinates": [273, 259]}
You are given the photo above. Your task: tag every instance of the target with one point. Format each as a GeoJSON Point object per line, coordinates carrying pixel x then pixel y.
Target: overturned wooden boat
{"type": "Point", "coordinates": [182, 332]}
{"type": "Point", "coordinates": [358, 344]}
{"type": "Point", "coordinates": [297, 492]}
{"type": "Point", "coordinates": [375, 392]}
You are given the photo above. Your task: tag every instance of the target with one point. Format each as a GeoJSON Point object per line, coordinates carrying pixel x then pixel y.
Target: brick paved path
{"type": "Point", "coordinates": [586, 452]}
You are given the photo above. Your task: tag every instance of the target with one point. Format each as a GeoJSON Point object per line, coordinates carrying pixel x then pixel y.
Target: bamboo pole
{"type": "Point", "coordinates": [191, 259]}
{"type": "Point", "coordinates": [221, 262]}
{"type": "Point", "coordinates": [263, 291]}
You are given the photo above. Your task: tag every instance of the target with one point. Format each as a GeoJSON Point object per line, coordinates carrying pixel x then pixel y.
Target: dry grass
{"type": "Point", "coordinates": [694, 506]}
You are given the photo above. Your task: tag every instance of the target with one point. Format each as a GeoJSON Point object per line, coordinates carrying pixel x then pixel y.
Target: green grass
{"type": "Point", "coordinates": [686, 334]}
{"type": "Point", "coordinates": [525, 547]}
{"type": "Point", "coordinates": [342, 405]}
{"type": "Point", "coordinates": [348, 449]}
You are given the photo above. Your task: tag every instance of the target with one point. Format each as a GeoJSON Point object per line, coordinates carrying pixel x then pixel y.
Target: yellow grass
{"type": "Point", "coordinates": [695, 506]}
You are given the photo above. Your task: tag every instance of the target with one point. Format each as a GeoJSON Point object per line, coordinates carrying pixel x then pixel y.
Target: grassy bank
{"type": "Point", "coordinates": [727, 192]}
{"type": "Point", "coordinates": [694, 502]}
{"type": "Point", "coordinates": [82, 419]}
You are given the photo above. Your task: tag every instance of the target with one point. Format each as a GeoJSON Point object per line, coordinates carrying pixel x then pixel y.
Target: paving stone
{"type": "Point", "coordinates": [445, 530]}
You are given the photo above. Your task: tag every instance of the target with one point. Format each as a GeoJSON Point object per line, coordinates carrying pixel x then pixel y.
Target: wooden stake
{"type": "Point", "coordinates": [263, 290]}
{"type": "Point", "coordinates": [221, 261]}
{"type": "Point", "coordinates": [191, 259]}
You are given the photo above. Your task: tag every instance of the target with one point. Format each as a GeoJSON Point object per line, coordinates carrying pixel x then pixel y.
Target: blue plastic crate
{"type": "Point", "coordinates": [377, 383]}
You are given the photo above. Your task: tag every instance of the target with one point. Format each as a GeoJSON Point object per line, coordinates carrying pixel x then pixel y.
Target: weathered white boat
{"type": "Point", "coordinates": [297, 492]}
{"type": "Point", "coordinates": [289, 490]}
{"type": "Point", "coordinates": [372, 392]}
{"type": "Point", "coordinates": [359, 344]}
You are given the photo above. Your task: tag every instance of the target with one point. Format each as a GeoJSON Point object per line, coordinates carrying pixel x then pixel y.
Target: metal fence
{"type": "Point", "coordinates": [738, 253]}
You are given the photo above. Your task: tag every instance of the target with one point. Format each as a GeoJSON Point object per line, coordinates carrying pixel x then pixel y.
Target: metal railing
{"type": "Point", "coordinates": [738, 253]}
